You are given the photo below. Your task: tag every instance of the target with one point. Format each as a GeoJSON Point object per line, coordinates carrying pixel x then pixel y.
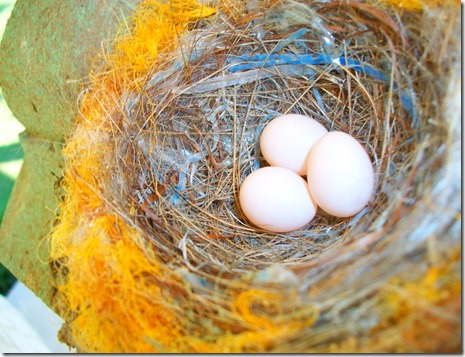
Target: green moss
{"type": "Point", "coordinates": [46, 53]}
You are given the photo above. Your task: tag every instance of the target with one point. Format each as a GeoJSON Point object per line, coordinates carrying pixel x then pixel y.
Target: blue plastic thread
{"type": "Point", "coordinates": [268, 60]}
{"type": "Point", "coordinates": [319, 100]}
{"type": "Point", "coordinates": [292, 38]}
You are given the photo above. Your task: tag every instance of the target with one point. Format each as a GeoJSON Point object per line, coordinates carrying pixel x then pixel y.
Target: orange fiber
{"type": "Point", "coordinates": [115, 293]}
{"type": "Point", "coordinates": [110, 300]}
{"type": "Point", "coordinates": [112, 306]}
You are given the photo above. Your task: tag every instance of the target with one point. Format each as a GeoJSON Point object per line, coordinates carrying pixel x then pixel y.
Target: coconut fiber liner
{"type": "Point", "coordinates": [151, 251]}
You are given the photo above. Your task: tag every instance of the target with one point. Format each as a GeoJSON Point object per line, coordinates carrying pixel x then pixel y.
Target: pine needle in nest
{"type": "Point", "coordinates": [156, 248]}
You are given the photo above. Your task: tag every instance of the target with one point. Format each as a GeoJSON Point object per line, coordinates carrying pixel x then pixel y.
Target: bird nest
{"type": "Point", "coordinates": [177, 142]}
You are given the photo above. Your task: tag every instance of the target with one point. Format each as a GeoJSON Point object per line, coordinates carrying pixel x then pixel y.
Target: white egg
{"type": "Point", "coordinates": [276, 199]}
{"type": "Point", "coordinates": [287, 140]}
{"type": "Point", "coordinates": [340, 174]}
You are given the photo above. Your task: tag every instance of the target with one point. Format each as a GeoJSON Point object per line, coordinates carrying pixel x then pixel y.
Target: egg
{"type": "Point", "coordinates": [340, 174]}
{"type": "Point", "coordinates": [287, 140]}
{"type": "Point", "coordinates": [276, 199]}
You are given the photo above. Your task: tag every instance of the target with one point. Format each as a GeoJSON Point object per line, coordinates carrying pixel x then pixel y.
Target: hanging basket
{"type": "Point", "coordinates": [151, 251]}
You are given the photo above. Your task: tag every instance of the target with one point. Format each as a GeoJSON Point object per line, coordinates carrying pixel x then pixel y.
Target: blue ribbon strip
{"type": "Point", "coordinates": [244, 63]}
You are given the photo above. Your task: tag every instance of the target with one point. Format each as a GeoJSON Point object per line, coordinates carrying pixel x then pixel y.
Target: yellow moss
{"type": "Point", "coordinates": [110, 304]}
{"type": "Point", "coordinates": [418, 315]}
{"type": "Point", "coordinates": [416, 5]}
{"type": "Point", "coordinates": [111, 292]}
{"type": "Point", "coordinates": [420, 311]}
{"type": "Point", "coordinates": [112, 301]}
{"type": "Point", "coordinates": [153, 31]}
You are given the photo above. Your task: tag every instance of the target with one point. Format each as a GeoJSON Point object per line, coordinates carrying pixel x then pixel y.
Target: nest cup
{"type": "Point", "coordinates": [186, 136]}
{"type": "Point", "coordinates": [192, 131]}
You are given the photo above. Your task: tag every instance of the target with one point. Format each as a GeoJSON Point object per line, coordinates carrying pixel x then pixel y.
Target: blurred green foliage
{"type": "Point", "coordinates": [6, 280]}
{"type": "Point", "coordinates": [11, 152]}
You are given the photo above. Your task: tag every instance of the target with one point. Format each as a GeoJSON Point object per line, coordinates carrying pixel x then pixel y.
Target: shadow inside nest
{"type": "Point", "coordinates": [156, 164]}
{"type": "Point", "coordinates": [194, 129]}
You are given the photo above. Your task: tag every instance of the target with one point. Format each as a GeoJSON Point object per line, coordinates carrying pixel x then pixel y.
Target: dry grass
{"type": "Point", "coordinates": [191, 133]}
{"type": "Point", "coordinates": [188, 136]}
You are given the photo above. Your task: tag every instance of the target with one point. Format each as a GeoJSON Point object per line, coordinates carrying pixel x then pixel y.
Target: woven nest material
{"type": "Point", "coordinates": [159, 231]}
